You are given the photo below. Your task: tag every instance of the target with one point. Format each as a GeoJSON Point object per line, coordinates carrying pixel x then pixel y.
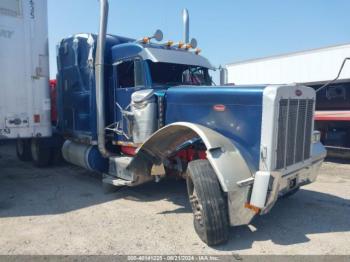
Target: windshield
{"type": "Point", "coordinates": [176, 74]}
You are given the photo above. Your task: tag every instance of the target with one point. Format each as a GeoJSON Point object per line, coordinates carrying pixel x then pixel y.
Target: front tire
{"type": "Point", "coordinates": [41, 154]}
{"type": "Point", "coordinates": [291, 192]}
{"type": "Point", "coordinates": [208, 203]}
{"type": "Point", "coordinates": [23, 149]}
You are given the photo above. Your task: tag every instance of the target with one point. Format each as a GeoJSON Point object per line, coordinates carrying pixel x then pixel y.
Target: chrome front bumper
{"type": "Point", "coordinates": [281, 182]}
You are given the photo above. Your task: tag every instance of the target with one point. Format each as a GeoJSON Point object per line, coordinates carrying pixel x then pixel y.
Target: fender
{"type": "Point", "coordinates": [231, 169]}
{"type": "Point", "coordinates": [226, 160]}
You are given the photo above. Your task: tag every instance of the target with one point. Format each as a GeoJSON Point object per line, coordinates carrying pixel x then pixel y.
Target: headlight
{"type": "Point", "coordinates": [316, 136]}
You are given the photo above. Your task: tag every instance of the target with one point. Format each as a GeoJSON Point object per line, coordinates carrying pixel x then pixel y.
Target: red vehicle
{"type": "Point", "coordinates": [332, 118]}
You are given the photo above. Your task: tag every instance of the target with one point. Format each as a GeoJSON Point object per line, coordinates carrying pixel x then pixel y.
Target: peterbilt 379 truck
{"type": "Point", "coordinates": [137, 111]}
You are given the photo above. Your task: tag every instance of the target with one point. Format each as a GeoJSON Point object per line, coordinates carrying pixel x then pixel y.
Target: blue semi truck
{"type": "Point", "coordinates": [138, 111]}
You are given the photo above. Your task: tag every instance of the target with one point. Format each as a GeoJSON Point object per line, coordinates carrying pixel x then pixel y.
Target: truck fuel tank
{"type": "Point", "coordinates": [85, 156]}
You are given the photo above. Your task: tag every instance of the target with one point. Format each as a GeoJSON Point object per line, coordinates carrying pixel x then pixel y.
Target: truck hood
{"type": "Point", "coordinates": [233, 111]}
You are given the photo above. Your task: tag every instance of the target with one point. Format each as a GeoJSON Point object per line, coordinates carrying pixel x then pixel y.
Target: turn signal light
{"type": "Point", "coordinates": [180, 44]}
{"type": "Point", "coordinates": [145, 40]}
{"type": "Point", "coordinates": [254, 208]}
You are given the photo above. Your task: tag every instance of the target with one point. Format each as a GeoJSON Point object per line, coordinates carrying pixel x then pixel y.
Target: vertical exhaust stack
{"type": "Point", "coordinates": [99, 75]}
{"type": "Point", "coordinates": [186, 21]}
{"type": "Point", "coordinates": [223, 75]}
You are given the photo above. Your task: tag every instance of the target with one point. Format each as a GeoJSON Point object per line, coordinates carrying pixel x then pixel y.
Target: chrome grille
{"type": "Point", "coordinates": [294, 131]}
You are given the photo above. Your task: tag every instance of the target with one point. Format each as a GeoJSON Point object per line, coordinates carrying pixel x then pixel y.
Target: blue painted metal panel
{"type": "Point", "coordinates": [96, 161]}
{"type": "Point", "coordinates": [240, 122]}
{"type": "Point", "coordinates": [76, 101]}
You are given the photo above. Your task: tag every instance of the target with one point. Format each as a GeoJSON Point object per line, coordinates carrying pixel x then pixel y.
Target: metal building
{"type": "Point", "coordinates": [309, 67]}
{"type": "Point", "coordinates": [314, 68]}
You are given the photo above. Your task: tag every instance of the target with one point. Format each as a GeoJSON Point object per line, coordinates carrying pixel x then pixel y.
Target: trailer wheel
{"type": "Point", "coordinates": [208, 203]}
{"type": "Point", "coordinates": [23, 149]}
{"type": "Point", "coordinates": [41, 154]}
{"type": "Point", "coordinates": [57, 158]}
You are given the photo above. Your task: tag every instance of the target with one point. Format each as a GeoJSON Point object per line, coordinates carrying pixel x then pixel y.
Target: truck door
{"type": "Point", "coordinates": [129, 77]}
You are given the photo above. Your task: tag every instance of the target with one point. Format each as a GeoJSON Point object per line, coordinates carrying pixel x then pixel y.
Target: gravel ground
{"type": "Point", "coordinates": [63, 210]}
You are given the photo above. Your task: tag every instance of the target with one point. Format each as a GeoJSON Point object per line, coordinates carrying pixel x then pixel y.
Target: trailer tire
{"type": "Point", "coordinates": [41, 154]}
{"type": "Point", "coordinates": [57, 158]}
{"type": "Point", "coordinates": [209, 206]}
{"type": "Point", "coordinates": [23, 149]}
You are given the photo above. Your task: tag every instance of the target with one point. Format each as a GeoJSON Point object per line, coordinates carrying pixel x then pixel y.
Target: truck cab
{"type": "Point", "coordinates": [142, 73]}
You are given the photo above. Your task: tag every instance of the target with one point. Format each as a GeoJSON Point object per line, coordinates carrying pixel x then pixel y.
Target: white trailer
{"type": "Point", "coordinates": [24, 69]}
{"type": "Point", "coordinates": [308, 67]}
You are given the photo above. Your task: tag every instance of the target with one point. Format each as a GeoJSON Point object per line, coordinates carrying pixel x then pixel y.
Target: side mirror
{"type": "Point", "coordinates": [158, 35]}
{"type": "Point", "coordinates": [223, 76]}
{"type": "Point", "coordinates": [193, 43]}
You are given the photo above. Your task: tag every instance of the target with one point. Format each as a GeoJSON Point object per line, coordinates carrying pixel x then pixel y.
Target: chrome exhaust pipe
{"type": "Point", "coordinates": [186, 22]}
{"type": "Point", "coordinates": [99, 78]}
{"type": "Point", "coordinates": [223, 75]}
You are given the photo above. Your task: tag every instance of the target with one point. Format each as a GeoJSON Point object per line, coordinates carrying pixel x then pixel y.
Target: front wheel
{"type": "Point", "coordinates": [208, 203]}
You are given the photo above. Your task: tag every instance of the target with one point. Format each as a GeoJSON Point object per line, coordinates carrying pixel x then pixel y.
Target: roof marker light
{"type": "Point", "coordinates": [169, 43]}
{"type": "Point", "coordinates": [188, 46]}
{"type": "Point", "coordinates": [158, 35]}
{"type": "Point", "coordinates": [145, 40]}
{"type": "Point", "coordinates": [197, 51]}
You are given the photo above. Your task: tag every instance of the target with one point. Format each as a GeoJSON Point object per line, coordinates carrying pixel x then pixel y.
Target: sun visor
{"type": "Point", "coordinates": [157, 55]}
